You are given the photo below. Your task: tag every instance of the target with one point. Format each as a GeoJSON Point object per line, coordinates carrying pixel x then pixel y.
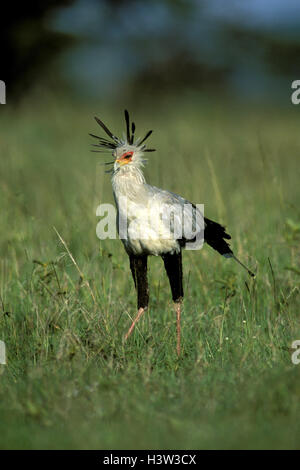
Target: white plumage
{"type": "Point", "coordinates": [145, 210]}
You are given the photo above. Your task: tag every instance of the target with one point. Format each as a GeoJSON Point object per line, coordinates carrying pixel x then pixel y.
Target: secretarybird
{"type": "Point", "coordinates": [141, 211]}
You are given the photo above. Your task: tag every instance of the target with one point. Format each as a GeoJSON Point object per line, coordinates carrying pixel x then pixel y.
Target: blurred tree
{"type": "Point", "coordinates": [27, 44]}
{"type": "Point", "coordinates": [130, 46]}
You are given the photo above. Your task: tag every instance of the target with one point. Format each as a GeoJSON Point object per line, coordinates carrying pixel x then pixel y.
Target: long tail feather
{"type": "Point", "coordinates": [214, 235]}
{"type": "Point", "coordinates": [243, 265]}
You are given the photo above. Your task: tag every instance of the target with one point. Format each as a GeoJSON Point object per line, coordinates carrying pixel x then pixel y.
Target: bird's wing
{"type": "Point", "coordinates": [180, 216]}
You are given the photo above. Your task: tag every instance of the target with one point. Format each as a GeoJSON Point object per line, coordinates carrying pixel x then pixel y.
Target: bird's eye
{"type": "Point", "coordinates": [127, 155]}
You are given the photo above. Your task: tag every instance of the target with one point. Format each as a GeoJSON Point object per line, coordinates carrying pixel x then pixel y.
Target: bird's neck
{"type": "Point", "coordinates": [128, 182]}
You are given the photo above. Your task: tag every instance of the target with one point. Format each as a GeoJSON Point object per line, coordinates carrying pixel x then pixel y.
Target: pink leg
{"type": "Point", "coordinates": [178, 312]}
{"type": "Point", "coordinates": [139, 314]}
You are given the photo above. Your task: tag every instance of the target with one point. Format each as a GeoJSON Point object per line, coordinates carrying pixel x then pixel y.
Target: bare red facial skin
{"type": "Point", "coordinates": [126, 156]}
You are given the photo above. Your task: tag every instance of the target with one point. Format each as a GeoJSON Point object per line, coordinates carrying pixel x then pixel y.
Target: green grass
{"type": "Point", "coordinates": [70, 382]}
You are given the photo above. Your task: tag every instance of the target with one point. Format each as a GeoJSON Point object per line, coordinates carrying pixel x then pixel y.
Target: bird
{"type": "Point", "coordinates": [142, 225]}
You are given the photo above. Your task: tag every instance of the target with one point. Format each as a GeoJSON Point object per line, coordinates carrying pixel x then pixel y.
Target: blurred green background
{"type": "Point", "coordinates": [117, 50]}
{"type": "Point", "coordinates": [214, 83]}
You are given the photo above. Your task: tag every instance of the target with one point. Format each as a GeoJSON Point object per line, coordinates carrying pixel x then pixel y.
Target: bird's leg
{"type": "Point", "coordinates": [132, 267]}
{"type": "Point", "coordinates": [139, 314]}
{"type": "Point", "coordinates": [173, 265]}
{"type": "Point", "coordinates": [138, 266]}
{"type": "Point", "coordinates": [178, 313]}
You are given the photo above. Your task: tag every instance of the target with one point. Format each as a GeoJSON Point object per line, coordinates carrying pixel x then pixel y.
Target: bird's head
{"type": "Point", "coordinates": [127, 153]}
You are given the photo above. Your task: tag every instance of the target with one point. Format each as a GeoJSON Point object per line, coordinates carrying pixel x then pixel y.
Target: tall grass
{"type": "Point", "coordinates": [67, 298]}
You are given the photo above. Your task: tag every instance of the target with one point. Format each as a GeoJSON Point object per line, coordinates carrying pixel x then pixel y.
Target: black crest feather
{"type": "Point", "coordinates": [106, 129]}
{"type": "Point", "coordinates": [146, 137]}
{"type": "Point", "coordinates": [127, 126]}
{"type": "Point", "coordinates": [132, 132]}
{"type": "Point", "coordinates": [105, 144]}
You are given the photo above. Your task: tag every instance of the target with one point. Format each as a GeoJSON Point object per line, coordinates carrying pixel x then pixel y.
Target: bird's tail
{"type": "Point", "coordinates": [214, 235]}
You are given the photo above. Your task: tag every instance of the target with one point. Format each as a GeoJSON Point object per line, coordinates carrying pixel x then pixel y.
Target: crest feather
{"type": "Point", "coordinates": [106, 145]}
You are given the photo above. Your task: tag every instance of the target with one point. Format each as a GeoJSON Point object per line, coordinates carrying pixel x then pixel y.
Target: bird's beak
{"type": "Point", "coordinates": [125, 158]}
{"type": "Point", "coordinates": [121, 162]}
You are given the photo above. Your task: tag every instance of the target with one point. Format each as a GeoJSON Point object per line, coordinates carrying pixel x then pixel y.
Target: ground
{"type": "Point", "coordinates": [70, 381]}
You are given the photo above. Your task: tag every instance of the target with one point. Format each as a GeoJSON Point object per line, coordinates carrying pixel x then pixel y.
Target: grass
{"type": "Point", "coordinates": [70, 382]}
